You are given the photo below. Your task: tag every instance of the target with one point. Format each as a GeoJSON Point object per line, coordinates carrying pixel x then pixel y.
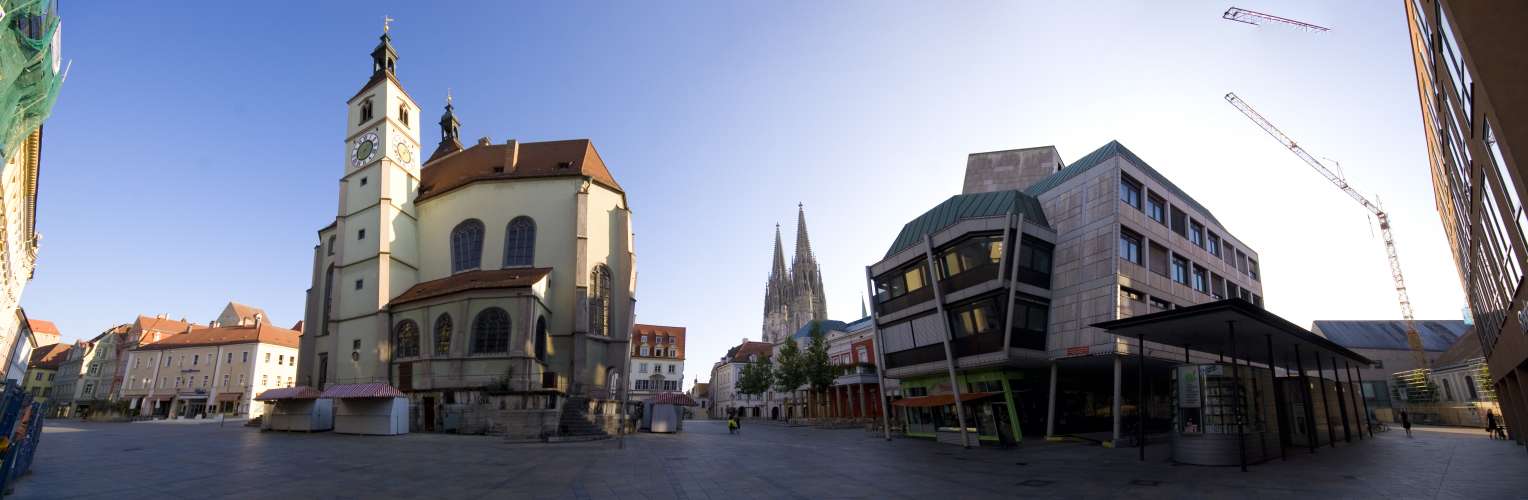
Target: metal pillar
{"type": "Point", "coordinates": [1050, 405]}
{"type": "Point", "coordinates": [1365, 400]}
{"type": "Point", "coordinates": [1241, 400]}
{"type": "Point", "coordinates": [1115, 409]}
{"type": "Point", "coordinates": [949, 354]}
{"type": "Point", "coordinates": [1359, 419]}
{"type": "Point", "coordinates": [1186, 359]}
{"type": "Point", "coordinates": [880, 366]}
{"type": "Point", "coordinates": [1140, 394]}
{"type": "Point", "coordinates": [1326, 411]}
{"type": "Point", "coordinates": [1310, 412]}
{"type": "Point", "coordinates": [1278, 402]}
{"type": "Point", "coordinates": [1342, 406]}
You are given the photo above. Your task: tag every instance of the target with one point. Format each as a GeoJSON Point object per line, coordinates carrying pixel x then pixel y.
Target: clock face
{"type": "Point", "coordinates": [405, 154]}
{"type": "Point", "coordinates": [364, 149]}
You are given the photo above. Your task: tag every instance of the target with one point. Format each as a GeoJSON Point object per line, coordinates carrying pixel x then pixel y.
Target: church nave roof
{"type": "Point", "coordinates": [486, 162]}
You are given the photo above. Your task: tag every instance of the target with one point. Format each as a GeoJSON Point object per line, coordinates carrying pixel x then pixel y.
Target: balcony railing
{"type": "Point", "coordinates": [969, 278]}
{"type": "Point", "coordinates": [907, 300]}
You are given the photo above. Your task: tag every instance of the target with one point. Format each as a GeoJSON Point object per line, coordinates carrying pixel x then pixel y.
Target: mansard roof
{"type": "Point", "coordinates": [968, 206]}
{"type": "Point", "coordinates": [493, 162]}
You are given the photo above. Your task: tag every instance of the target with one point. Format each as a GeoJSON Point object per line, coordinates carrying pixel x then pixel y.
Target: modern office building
{"type": "Point", "coordinates": [1048, 250]}
{"type": "Point", "coordinates": [1471, 69]}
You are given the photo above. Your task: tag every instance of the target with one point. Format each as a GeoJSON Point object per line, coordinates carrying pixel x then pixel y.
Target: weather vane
{"type": "Point", "coordinates": [386, 20]}
{"type": "Point", "coordinates": [448, 96]}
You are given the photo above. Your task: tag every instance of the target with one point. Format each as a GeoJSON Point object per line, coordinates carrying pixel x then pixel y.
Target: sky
{"type": "Point", "coordinates": [196, 148]}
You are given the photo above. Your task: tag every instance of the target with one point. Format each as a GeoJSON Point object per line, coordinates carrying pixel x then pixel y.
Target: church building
{"type": "Point", "coordinates": [793, 296]}
{"type": "Point", "coordinates": [493, 284]}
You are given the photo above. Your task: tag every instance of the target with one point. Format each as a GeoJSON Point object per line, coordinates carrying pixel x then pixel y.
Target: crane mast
{"type": "Point", "coordinates": [1413, 339]}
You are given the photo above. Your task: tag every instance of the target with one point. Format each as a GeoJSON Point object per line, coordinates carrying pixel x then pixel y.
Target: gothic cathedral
{"type": "Point", "coordinates": [793, 296]}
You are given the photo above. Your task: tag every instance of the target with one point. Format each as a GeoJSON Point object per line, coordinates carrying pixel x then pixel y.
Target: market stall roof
{"type": "Point", "coordinates": [280, 393]}
{"type": "Point", "coordinates": [941, 399]}
{"type": "Point", "coordinates": [673, 398]}
{"type": "Point", "coordinates": [1205, 327]}
{"type": "Point", "coordinates": [372, 390]}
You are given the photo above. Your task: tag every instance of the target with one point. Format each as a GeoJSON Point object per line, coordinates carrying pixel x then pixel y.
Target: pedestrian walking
{"type": "Point", "coordinates": [1490, 424]}
{"type": "Point", "coordinates": [1406, 422]}
{"type": "Point", "coordinates": [732, 425]}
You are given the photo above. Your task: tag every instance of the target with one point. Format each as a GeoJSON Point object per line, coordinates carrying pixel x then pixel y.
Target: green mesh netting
{"type": "Point", "coordinates": [29, 68]}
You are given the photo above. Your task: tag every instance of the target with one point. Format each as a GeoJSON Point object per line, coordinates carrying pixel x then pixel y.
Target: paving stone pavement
{"type": "Point", "coordinates": [118, 460]}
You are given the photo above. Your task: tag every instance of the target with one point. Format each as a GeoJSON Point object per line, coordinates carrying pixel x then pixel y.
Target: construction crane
{"type": "Point", "coordinates": [1253, 17]}
{"type": "Point", "coordinates": [1413, 339]}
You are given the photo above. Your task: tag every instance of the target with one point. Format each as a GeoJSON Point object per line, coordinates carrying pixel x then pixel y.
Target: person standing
{"type": "Point", "coordinates": [1490, 424]}
{"type": "Point", "coordinates": [1406, 422]}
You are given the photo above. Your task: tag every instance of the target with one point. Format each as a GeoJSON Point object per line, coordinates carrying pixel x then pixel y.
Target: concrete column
{"type": "Point", "coordinates": [1521, 396]}
{"type": "Point", "coordinates": [1342, 404]}
{"type": "Point", "coordinates": [1326, 410]}
{"type": "Point", "coordinates": [1050, 404]}
{"type": "Point", "coordinates": [862, 412]}
{"type": "Point", "coordinates": [1115, 405]}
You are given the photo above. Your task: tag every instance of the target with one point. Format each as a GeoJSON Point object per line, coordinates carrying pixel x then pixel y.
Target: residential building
{"type": "Point", "coordinates": [114, 346]}
{"type": "Point", "coordinates": [44, 331]}
{"type": "Point", "coordinates": [1461, 387]}
{"type": "Point", "coordinates": [30, 88]}
{"type": "Point", "coordinates": [20, 353]}
{"type": "Point", "coordinates": [1384, 341]}
{"type": "Point", "coordinates": [1025, 261]}
{"type": "Point", "coordinates": [405, 290]}
{"type": "Point", "coordinates": [69, 387]}
{"type": "Point", "coordinates": [657, 360]}
{"type": "Point", "coordinates": [793, 296]}
{"type": "Point", "coordinates": [701, 393]}
{"type": "Point", "coordinates": [209, 371]}
{"type": "Point", "coordinates": [725, 398]}
{"type": "Point", "coordinates": [856, 388]}
{"type": "Point", "coordinates": [1469, 63]}
{"type": "Point", "coordinates": [42, 370]}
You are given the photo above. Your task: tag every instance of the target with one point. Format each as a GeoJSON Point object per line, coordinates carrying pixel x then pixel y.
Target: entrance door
{"type": "Point", "coordinates": [429, 414]}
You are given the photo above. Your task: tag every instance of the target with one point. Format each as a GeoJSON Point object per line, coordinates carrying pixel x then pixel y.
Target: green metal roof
{"type": "Point", "coordinates": [1110, 150]}
{"type": "Point", "coordinates": [968, 206]}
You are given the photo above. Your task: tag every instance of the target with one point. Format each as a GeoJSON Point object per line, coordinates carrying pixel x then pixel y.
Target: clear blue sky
{"type": "Point", "coordinates": [196, 148]}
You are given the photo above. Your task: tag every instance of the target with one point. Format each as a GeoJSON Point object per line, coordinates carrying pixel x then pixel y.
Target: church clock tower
{"type": "Point", "coordinates": [375, 228]}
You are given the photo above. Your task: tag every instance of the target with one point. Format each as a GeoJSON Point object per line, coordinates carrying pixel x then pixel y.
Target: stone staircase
{"type": "Point", "coordinates": [574, 424]}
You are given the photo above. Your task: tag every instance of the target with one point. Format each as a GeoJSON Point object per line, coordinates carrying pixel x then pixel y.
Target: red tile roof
{"type": "Point", "coordinates": [675, 336]}
{"type": "Point", "coordinates": [49, 357]}
{"type": "Point", "coordinates": [297, 327]}
{"type": "Point", "coordinates": [473, 280]}
{"type": "Point", "coordinates": [151, 323]}
{"type": "Point", "coordinates": [486, 162]}
{"type": "Point", "coordinates": [299, 392]}
{"type": "Point", "coordinates": [763, 349]}
{"type": "Point", "coordinates": [43, 326]}
{"type": "Point", "coordinates": [373, 390]}
{"type": "Point", "coordinates": [243, 311]}
{"type": "Point", "coordinates": [265, 334]}
{"type": "Point", "coordinates": [673, 398]}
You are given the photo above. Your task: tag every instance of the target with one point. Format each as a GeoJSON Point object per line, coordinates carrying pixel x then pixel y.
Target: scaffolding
{"type": "Point", "coordinates": [30, 74]}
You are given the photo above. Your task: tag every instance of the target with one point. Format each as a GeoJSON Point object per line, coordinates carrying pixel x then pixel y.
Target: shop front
{"type": "Point", "coordinates": [991, 401]}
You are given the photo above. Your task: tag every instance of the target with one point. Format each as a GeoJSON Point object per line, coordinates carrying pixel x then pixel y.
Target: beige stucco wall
{"type": "Point", "coordinates": [215, 369]}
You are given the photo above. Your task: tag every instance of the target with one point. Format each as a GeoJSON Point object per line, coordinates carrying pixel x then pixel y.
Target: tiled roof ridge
{"type": "Point", "coordinates": [1098, 156]}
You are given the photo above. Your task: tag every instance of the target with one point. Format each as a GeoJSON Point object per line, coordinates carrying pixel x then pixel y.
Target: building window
{"type": "Point", "coordinates": [1180, 270]}
{"type": "Point", "coordinates": [1127, 295]}
{"type": "Point", "coordinates": [406, 334]}
{"type": "Point", "coordinates": [976, 253]}
{"type": "Point", "coordinates": [1469, 383]}
{"type": "Point", "coordinates": [246, 356]}
{"type": "Point", "coordinates": [644, 351]}
{"type": "Point", "coordinates": [1156, 208]}
{"type": "Point", "coordinates": [976, 318]}
{"type": "Point", "coordinates": [1196, 233]}
{"type": "Point", "coordinates": [642, 368]}
{"type": "Point", "coordinates": [901, 282]}
{"type": "Point", "coordinates": [599, 300]}
{"type": "Point", "coordinates": [360, 234]}
{"type": "Point", "coordinates": [490, 331]}
{"type": "Point", "coordinates": [365, 111]}
{"type": "Point", "coordinates": [229, 359]}
{"type": "Point", "coordinates": [363, 181]}
{"type": "Point", "coordinates": [359, 284]}
{"type": "Point", "coordinates": [671, 368]}
{"type": "Point", "coordinates": [1179, 222]}
{"type": "Point", "coordinates": [328, 300]}
{"type": "Point", "coordinates": [1213, 244]}
{"type": "Point", "coordinates": [267, 357]}
{"type": "Point", "coordinates": [403, 114]}
{"type": "Point", "coordinates": [1160, 305]}
{"type": "Point", "coordinates": [1252, 268]}
{"type": "Point", "coordinates": [195, 360]}
{"type": "Point", "coordinates": [520, 242]}
{"type": "Point", "coordinates": [443, 335]}
{"type": "Point", "coordinates": [1201, 284]}
{"type": "Point", "coordinates": [541, 339]}
{"type": "Point", "coordinates": [331, 245]}
{"type": "Point", "coordinates": [1157, 258]}
{"type": "Point", "coordinates": [1241, 262]}
{"type": "Point", "coordinates": [1130, 246]}
{"type": "Point", "coordinates": [467, 246]}
{"type": "Point", "coordinates": [1030, 322]}
{"type": "Point", "coordinates": [1228, 252]}
{"type": "Point", "coordinates": [1217, 286]}
{"type": "Point", "coordinates": [1129, 191]}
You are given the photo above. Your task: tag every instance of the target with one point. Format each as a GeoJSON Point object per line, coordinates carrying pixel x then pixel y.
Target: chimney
{"type": "Point", "coordinates": [511, 154]}
{"type": "Point", "coordinates": [164, 315]}
{"type": "Point", "coordinates": [259, 318]}
{"type": "Point", "coordinates": [484, 141]}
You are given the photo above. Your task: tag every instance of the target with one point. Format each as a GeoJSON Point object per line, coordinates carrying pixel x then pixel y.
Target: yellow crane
{"type": "Point", "coordinates": [1413, 339]}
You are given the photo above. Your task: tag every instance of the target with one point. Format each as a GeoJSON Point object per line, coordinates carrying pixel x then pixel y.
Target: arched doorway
{"type": "Point", "coordinates": [774, 413]}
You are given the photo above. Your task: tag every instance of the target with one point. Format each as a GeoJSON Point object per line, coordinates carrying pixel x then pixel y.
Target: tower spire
{"type": "Point", "coordinates": [383, 58]}
{"type": "Point", "coordinates": [803, 243]}
{"type": "Point", "coordinates": [778, 271]}
{"type": "Point", "coordinates": [450, 131]}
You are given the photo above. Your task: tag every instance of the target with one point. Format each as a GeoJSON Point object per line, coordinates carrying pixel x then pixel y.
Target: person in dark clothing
{"type": "Point", "coordinates": [1406, 422]}
{"type": "Point", "coordinates": [1490, 424]}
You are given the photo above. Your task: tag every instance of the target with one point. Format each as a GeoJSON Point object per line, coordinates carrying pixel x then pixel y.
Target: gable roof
{"type": "Point", "coordinates": [1465, 349]}
{"type": "Point", "coordinates": [570, 158]}
{"type": "Point", "coordinates": [264, 334]}
{"type": "Point", "coordinates": [49, 357]}
{"type": "Point", "coordinates": [42, 326]}
{"type": "Point", "coordinates": [1097, 157]}
{"type": "Point", "coordinates": [1437, 335]}
{"type": "Point", "coordinates": [740, 353]}
{"type": "Point", "coordinates": [167, 325]}
{"type": "Point", "coordinates": [967, 206]}
{"type": "Point", "coordinates": [472, 280]}
{"type": "Point", "coordinates": [243, 311]}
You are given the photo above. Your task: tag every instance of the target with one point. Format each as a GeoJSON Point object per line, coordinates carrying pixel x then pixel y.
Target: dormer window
{"type": "Point", "coordinates": [403, 114]}
{"type": "Point", "coordinates": [365, 111]}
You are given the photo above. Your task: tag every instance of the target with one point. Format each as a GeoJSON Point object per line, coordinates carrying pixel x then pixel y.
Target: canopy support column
{"type": "Point", "coordinates": [1342, 404]}
{"type": "Point", "coordinates": [880, 365]}
{"type": "Point", "coordinates": [1310, 413]}
{"type": "Point", "coordinates": [1050, 405]}
{"type": "Point", "coordinates": [1278, 402]}
{"type": "Point", "coordinates": [949, 354]}
{"type": "Point", "coordinates": [1359, 419]}
{"type": "Point", "coordinates": [1326, 411]}
{"type": "Point", "coordinates": [1240, 398]}
{"type": "Point", "coordinates": [1140, 393]}
{"type": "Point", "coordinates": [1118, 368]}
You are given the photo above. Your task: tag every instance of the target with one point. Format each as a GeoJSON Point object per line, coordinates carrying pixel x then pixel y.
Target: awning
{"type": "Point", "coordinates": [1233, 327]}
{"type": "Point", "coordinates": [280, 393]}
{"type": "Point", "coordinates": [941, 399]}
{"type": "Point", "coordinates": [373, 390]}
{"type": "Point", "coordinates": [229, 396]}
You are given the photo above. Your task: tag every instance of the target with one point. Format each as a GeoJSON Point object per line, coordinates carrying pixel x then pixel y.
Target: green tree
{"type": "Point", "coordinates": [755, 379]}
{"type": "Point", "coordinates": [789, 372]}
{"type": "Point", "coordinates": [816, 365]}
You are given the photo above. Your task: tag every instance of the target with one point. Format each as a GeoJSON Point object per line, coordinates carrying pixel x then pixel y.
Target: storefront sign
{"type": "Point", "coordinates": [1189, 395]}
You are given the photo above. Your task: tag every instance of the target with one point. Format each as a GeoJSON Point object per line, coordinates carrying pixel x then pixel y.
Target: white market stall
{"type": "Point", "coordinates": [375, 409]}
{"type": "Point", "coordinates": [665, 412]}
{"type": "Point", "coordinates": [296, 409]}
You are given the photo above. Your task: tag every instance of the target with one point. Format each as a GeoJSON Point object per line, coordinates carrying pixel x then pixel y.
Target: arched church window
{"type": "Point", "coordinates": [331, 244]}
{"type": "Point", "coordinates": [365, 111]}
{"type": "Point", "coordinates": [541, 339]}
{"type": "Point", "coordinates": [406, 339]}
{"type": "Point", "coordinates": [490, 331]}
{"type": "Point", "coordinates": [520, 242]}
{"type": "Point", "coordinates": [443, 335]}
{"type": "Point", "coordinates": [403, 114]}
{"type": "Point", "coordinates": [467, 246]}
{"type": "Point", "coordinates": [328, 300]}
{"type": "Point", "coordinates": [599, 300]}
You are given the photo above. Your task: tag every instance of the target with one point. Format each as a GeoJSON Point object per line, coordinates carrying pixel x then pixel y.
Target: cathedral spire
{"type": "Point", "coordinates": [450, 132]}
{"type": "Point", "coordinates": [384, 58]}
{"type": "Point", "coordinates": [803, 244]}
{"type": "Point", "coordinates": [778, 271]}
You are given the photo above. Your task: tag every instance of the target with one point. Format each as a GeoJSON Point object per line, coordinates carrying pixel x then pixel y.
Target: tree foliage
{"type": "Point", "coordinates": [790, 373]}
{"type": "Point", "coordinates": [755, 379]}
{"type": "Point", "coordinates": [816, 365]}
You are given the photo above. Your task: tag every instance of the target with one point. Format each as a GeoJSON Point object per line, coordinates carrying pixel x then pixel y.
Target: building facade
{"type": "Point", "coordinates": [42, 372]}
{"type": "Point", "coordinates": [1470, 70]}
{"type": "Point", "coordinates": [851, 350]}
{"type": "Point", "coordinates": [209, 371]}
{"type": "Point", "coordinates": [657, 360]}
{"type": "Point", "coordinates": [793, 295]}
{"type": "Point", "coordinates": [1384, 341]}
{"type": "Point", "coordinates": [701, 393]}
{"type": "Point", "coordinates": [115, 344]}
{"type": "Point", "coordinates": [68, 386]}
{"type": "Point", "coordinates": [492, 283]}
{"type": "Point", "coordinates": [1006, 278]}
{"type": "Point", "coordinates": [725, 398]}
